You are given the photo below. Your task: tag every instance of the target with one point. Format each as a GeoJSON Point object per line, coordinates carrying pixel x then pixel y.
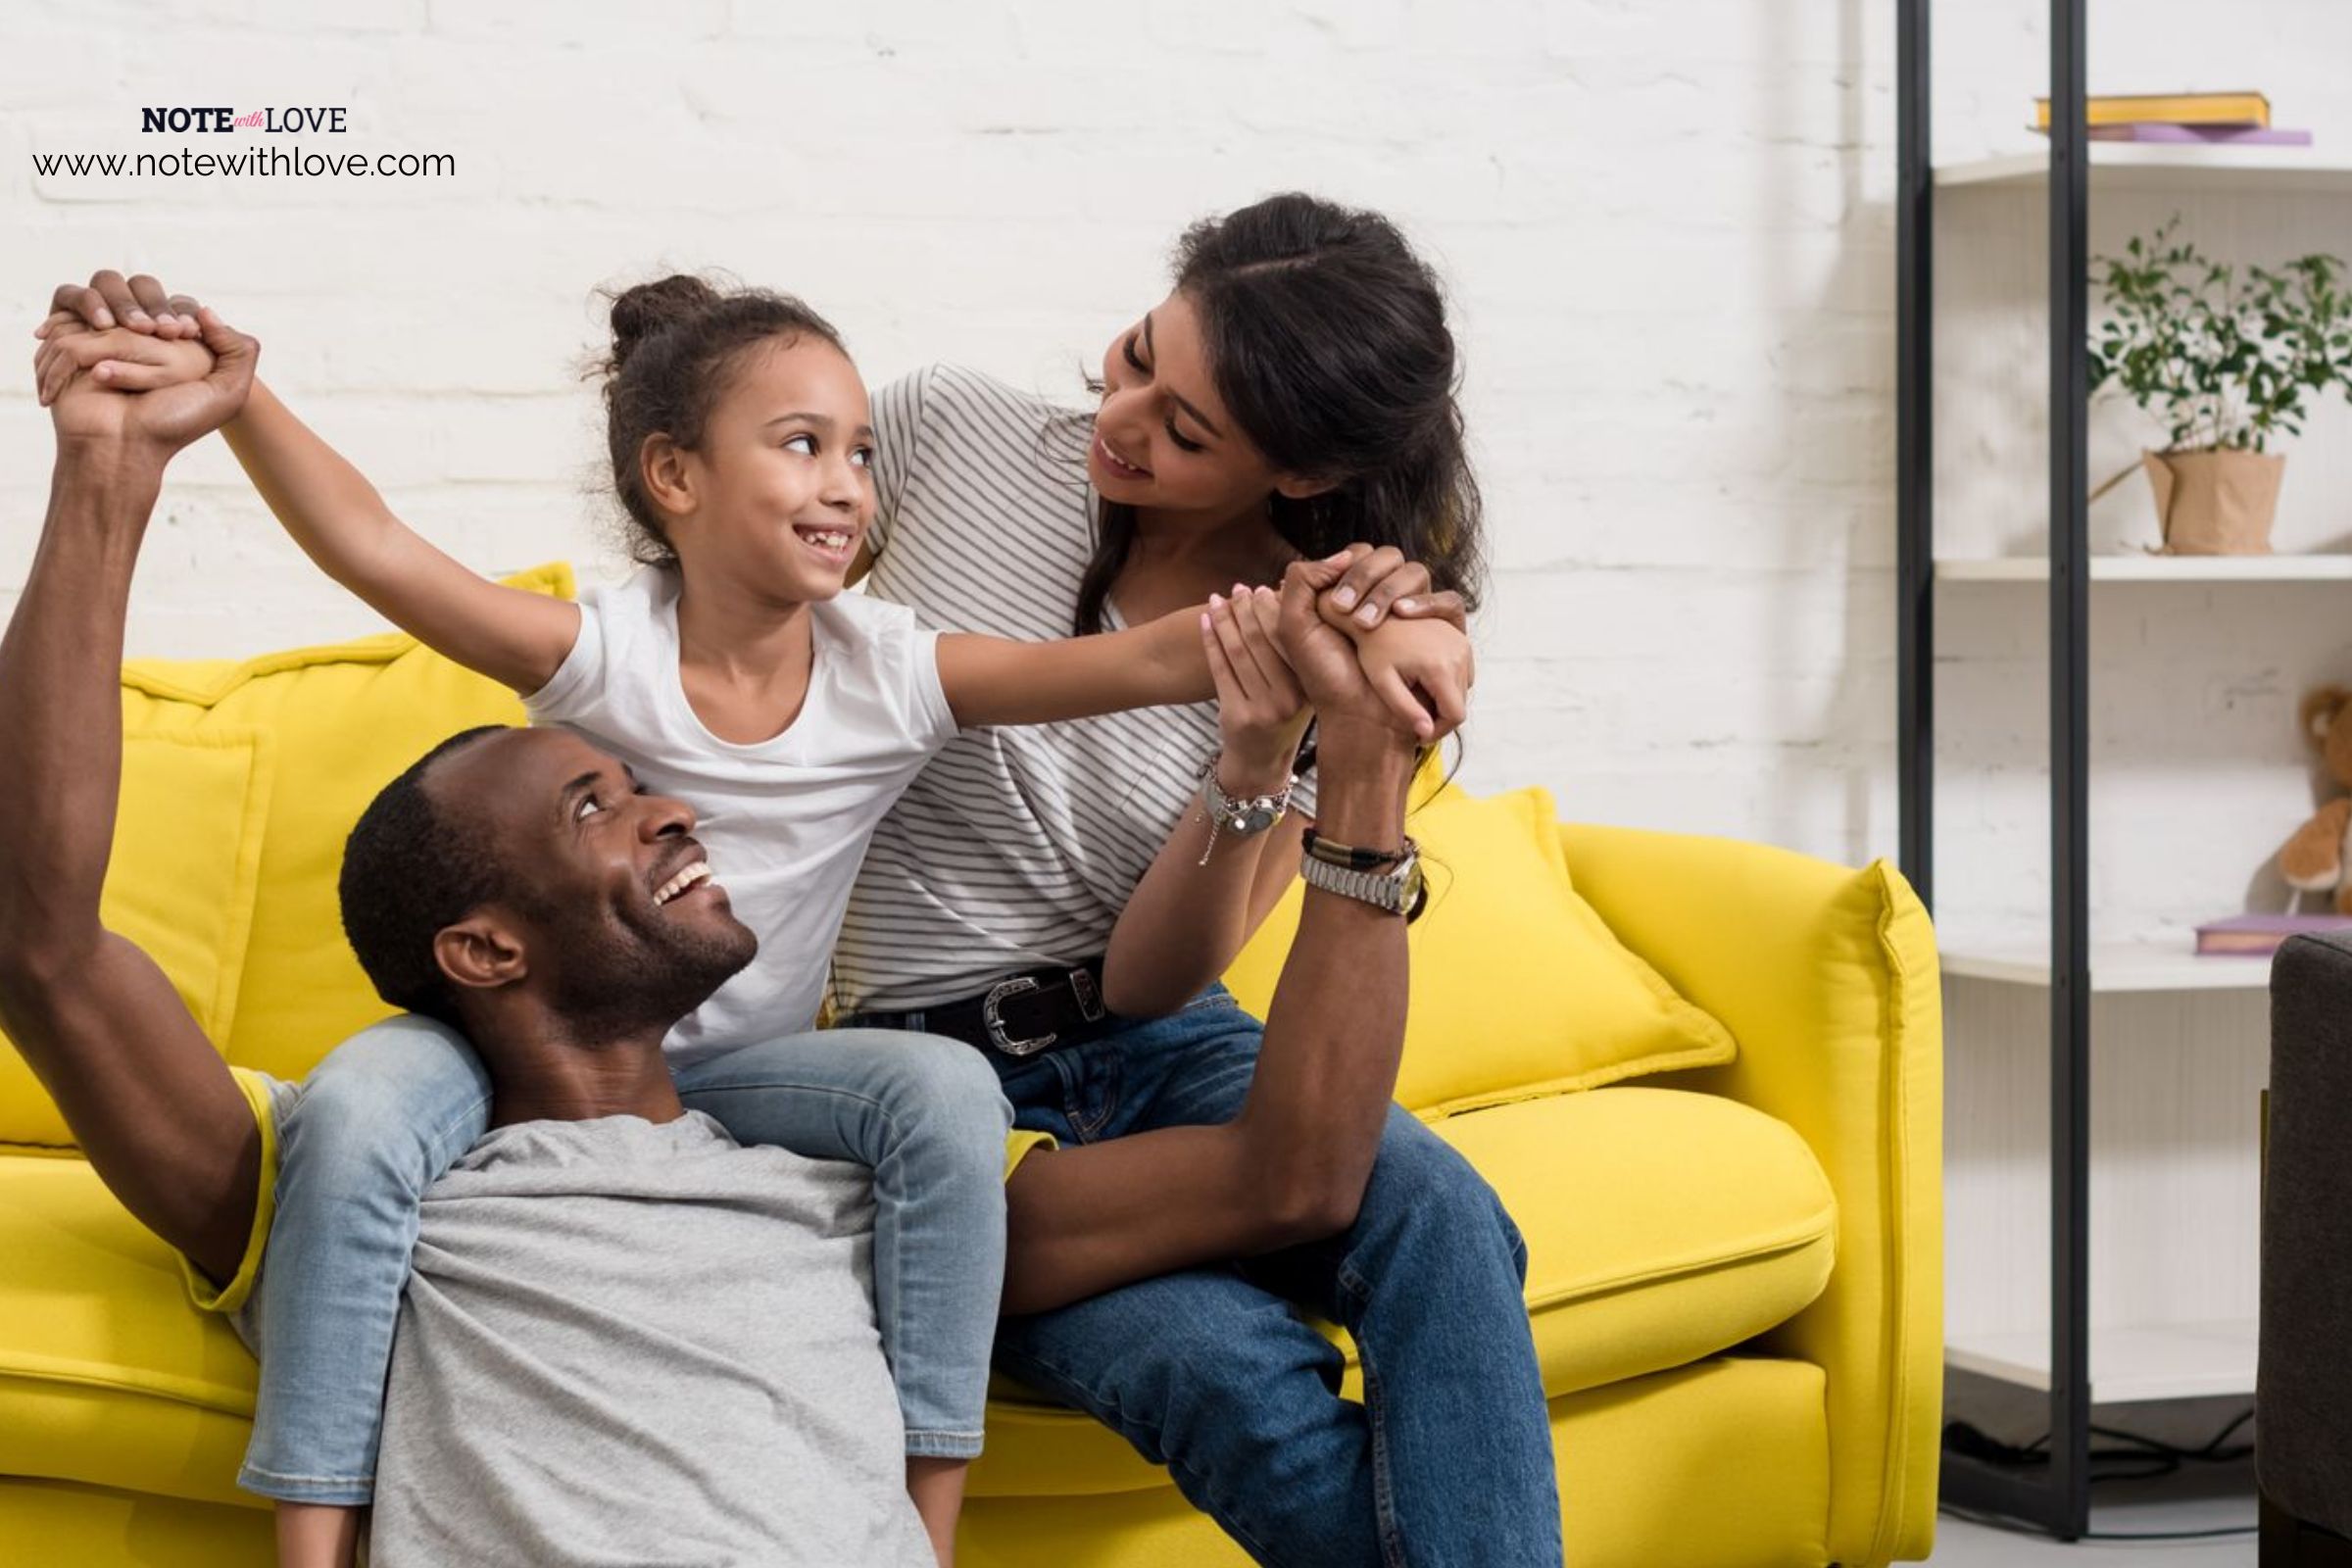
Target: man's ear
{"type": "Point", "coordinates": [667, 475]}
{"type": "Point", "coordinates": [1297, 487]}
{"type": "Point", "coordinates": [479, 953]}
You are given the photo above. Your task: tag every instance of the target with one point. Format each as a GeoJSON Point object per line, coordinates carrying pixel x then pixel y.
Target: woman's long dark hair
{"type": "Point", "coordinates": [1327, 340]}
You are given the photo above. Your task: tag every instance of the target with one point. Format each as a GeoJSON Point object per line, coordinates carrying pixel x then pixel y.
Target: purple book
{"type": "Point", "coordinates": [2259, 935]}
{"type": "Point", "coordinates": [2165, 130]}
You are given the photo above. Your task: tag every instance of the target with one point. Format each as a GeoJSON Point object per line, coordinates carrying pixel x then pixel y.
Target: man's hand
{"type": "Point", "coordinates": [90, 407]}
{"type": "Point", "coordinates": [110, 300]}
{"type": "Point", "coordinates": [1374, 582]}
{"type": "Point", "coordinates": [1325, 661]}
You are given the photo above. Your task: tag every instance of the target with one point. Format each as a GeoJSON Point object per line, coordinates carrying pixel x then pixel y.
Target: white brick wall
{"type": "Point", "coordinates": [1665, 222]}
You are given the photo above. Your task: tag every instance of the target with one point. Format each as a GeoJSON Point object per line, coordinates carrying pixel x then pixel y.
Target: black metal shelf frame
{"type": "Point", "coordinates": [2057, 1497]}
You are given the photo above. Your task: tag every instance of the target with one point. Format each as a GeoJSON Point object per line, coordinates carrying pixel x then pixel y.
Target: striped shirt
{"type": "Point", "coordinates": [1015, 848]}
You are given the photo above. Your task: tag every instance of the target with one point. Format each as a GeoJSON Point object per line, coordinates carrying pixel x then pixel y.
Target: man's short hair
{"type": "Point", "coordinates": [411, 869]}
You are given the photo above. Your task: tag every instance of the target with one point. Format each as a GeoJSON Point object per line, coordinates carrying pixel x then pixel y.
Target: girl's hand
{"type": "Point", "coordinates": [111, 300]}
{"type": "Point", "coordinates": [1373, 583]}
{"type": "Point", "coordinates": [172, 408]}
{"type": "Point", "coordinates": [117, 358]}
{"type": "Point", "coordinates": [1424, 667]}
{"type": "Point", "coordinates": [1260, 707]}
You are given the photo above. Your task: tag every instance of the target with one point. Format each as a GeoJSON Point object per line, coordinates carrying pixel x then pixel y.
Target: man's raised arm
{"type": "Point", "coordinates": [1293, 1165]}
{"type": "Point", "coordinates": [152, 1104]}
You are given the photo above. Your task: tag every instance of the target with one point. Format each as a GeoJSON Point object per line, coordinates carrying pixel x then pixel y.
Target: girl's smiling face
{"type": "Point", "coordinates": [1164, 440]}
{"type": "Point", "coordinates": [778, 494]}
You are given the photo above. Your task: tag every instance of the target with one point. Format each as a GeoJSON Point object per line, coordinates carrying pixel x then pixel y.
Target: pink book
{"type": "Point", "coordinates": [2259, 935]}
{"type": "Point", "coordinates": [2165, 130]}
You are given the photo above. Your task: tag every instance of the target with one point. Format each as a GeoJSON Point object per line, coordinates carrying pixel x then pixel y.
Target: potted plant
{"type": "Point", "coordinates": [2226, 358]}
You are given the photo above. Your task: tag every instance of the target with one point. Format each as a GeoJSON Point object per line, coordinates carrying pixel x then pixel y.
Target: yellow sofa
{"type": "Point", "coordinates": [1735, 1276]}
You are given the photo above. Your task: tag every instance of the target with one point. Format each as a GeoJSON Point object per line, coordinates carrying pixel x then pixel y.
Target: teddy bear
{"type": "Point", "coordinates": [2315, 859]}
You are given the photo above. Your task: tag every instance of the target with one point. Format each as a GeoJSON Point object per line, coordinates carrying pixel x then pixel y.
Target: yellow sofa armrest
{"type": "Point", "coordinates": [1827, 979]}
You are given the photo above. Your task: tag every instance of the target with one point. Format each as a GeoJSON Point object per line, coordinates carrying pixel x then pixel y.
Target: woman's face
{"type": "Point", "coordinates": [780, 492]}
{"type": "Point", "coordinates": [1163, 441]}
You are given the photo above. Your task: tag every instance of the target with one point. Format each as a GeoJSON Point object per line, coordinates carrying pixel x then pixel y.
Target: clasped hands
{"type": "Point", "coordinates": [1357, 636]}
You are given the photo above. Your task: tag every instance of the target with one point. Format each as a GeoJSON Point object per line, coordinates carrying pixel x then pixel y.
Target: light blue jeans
{"type": "Point", "coordinates": [393, 1107]}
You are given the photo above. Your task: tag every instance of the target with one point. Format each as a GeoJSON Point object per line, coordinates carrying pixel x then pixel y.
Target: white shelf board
{"type": "Point", "coordinates": [2168, 166]}
{"type": "Point", "coordinates": [2335, 567]}
{"type": "Point", "coordinates": [2114, 966]}
{"type": "Point", "coordinates": [2170, 1362]}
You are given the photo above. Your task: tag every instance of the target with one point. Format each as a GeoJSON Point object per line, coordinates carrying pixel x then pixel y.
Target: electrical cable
{"type": "Point", "coordinates": [2157, 1458]}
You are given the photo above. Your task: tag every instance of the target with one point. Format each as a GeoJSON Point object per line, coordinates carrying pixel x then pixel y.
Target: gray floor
{"type": "Point", "coordinates": [2220, 1497]}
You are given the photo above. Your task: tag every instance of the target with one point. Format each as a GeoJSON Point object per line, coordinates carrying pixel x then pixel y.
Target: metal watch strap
{"type": "Point", "coordinates": [1398, 892]}
{"type": "Point", "coordinates": [1245, 817]}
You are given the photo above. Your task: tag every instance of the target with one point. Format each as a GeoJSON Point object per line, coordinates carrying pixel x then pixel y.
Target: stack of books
{"type": "Point", "coordinates": [2258, 936]}
{"type": "Point", "coordinates": [2206, 119]}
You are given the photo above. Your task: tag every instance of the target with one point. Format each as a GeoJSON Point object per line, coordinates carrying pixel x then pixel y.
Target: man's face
{"type": "Point", "coordinates": [608, 895]}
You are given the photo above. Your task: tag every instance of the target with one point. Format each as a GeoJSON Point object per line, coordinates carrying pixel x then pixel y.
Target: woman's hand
{"type": "Point", "coordinates": [1261, 709]}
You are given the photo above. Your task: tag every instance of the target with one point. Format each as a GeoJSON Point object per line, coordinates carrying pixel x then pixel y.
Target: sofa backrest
{"type": "Point", "coordinates": [240, 782]}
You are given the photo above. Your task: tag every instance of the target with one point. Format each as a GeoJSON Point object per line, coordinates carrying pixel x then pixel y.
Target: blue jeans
{"type": "Point", "coordinates": [382, 1117]}
{"type": "Point", "coordinates": [1214, 1373]}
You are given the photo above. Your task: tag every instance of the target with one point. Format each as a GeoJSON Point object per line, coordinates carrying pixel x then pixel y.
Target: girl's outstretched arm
{"type": "Point", "coordinates": [1420, 668]}
{"type": "Point", "coordinates": [516, 638]}
{"type": "Point", "coordinates": [519, 639]}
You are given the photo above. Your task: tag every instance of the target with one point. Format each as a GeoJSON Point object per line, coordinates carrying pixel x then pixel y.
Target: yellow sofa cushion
{"type": "Point", "coordinates": [1518, 988]}
{"type": "Point", "coordinates": [343, 720]}
{"type": "Point", "coordinates": [108, 1374]}
{"type": "Point", "coordinates": [1661, 1226]}
{"type": "Point", "coordinates": [180, 883]}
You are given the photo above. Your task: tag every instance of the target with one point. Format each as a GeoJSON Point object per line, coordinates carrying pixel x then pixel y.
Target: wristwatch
{"type": "Point", "coordinates": [1399, 889]}
{"type": "Point", "coordinates": [1244, 817]}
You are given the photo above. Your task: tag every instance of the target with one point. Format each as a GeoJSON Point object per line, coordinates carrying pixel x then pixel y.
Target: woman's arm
{"type": "Point", "coordinates": [1292, 1166]}
{"type": "Point", "coordinates": [338, 519]}
{"type": "Point", "coordinates": [1205, 892]}
{"type": "Point", "coordinates": [1203, 897]}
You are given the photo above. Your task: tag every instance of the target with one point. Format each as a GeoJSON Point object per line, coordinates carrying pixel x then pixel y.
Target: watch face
{"type": "Point", "coordinates": [1255, 817]}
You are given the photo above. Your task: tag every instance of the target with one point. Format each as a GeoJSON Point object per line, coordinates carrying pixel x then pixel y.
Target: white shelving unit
{"type": "Point", "coordinates": [2165, 167]}
{"type": "Point", "coordinates": [2157, 569]}
{"type": "Point", "coordinates": [2175, 1037]}
{"type": "Point", "coordinates": [2171, 1361]}
{"type": "Point", "coordinates": [2115, 966]}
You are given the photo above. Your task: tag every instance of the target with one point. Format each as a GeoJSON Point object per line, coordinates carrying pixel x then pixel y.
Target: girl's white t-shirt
{"type": "Point", "coordinates": [786, 820]}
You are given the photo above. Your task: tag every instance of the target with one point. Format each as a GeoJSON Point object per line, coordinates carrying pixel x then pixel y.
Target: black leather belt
{"type": "Point", "coordinates": [1023, 1014]}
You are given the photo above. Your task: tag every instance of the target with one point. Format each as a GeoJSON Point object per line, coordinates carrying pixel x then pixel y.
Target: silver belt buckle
{"type": "Point", "coordinates": [995, 1023]}
{"type": "Point", "coordinates": [1090, 997]}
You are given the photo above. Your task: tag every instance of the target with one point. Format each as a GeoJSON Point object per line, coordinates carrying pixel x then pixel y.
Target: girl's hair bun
{"type": "Point", "coordinates": [643, 310]}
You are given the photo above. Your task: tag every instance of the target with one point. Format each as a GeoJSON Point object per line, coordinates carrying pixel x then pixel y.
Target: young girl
{"type": "Point", "coordinates": [733, 672]}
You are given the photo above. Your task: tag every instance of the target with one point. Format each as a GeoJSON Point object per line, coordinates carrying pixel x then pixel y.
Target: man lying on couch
{"type": "Point", "coordinates": [578, 1372]}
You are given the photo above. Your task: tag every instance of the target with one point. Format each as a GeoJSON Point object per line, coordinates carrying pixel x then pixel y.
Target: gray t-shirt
{"type": "Point", "coordinates": [634, 1344]}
